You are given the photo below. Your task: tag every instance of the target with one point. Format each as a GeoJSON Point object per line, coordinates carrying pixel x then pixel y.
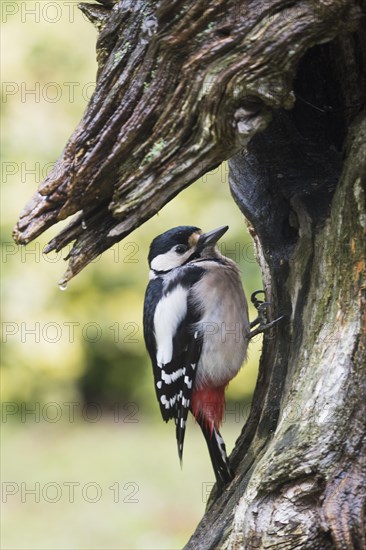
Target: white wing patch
{"type": "Point", "coordinates": [188, 382]}
{"type": "Point", "coordinates": [168, 402]}
{"type": "Point", "coordinates": [169, 378]}
{"type": "Point", "coordinates": [169, 313]}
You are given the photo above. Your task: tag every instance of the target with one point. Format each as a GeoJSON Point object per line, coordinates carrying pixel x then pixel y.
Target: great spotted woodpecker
{"type": "Point", "coordinates": [196, 330]}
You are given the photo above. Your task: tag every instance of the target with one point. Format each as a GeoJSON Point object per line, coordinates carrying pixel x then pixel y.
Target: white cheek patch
{"type": "Point", "coordinates": [169, 313]}
{"type": "Point", "coordinates": [169, 260]}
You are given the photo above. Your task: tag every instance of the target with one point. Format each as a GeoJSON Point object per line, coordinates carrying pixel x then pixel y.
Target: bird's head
{"type": "Point", "coordinates": [182, 244]}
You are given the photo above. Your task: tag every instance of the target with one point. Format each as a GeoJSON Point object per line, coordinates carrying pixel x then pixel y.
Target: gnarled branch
{"type": "Point", "coordinates": [181, 86]}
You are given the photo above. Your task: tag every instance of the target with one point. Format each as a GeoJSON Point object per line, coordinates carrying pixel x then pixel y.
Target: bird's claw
{"type": "Point", "coordinates": [261, 320]}
{"type": "Point", "coordinates": [261, 307]}
{"type": "Point", "coordinates": [253, 298]}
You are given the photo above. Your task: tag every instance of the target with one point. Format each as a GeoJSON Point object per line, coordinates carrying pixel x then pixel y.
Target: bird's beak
{"type": "Point", "coordinates": [211, 238]}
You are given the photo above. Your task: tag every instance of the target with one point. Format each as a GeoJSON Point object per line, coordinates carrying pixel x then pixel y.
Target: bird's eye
{"type": "Point", "coordinates": [181, 248]}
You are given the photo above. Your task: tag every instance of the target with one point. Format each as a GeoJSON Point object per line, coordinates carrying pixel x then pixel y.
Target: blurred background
{"type": "Point", "coordinates": [87, 462]}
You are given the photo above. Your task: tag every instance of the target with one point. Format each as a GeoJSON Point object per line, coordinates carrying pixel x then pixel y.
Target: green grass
{"type": "Point", "coordinates": [153, 504]}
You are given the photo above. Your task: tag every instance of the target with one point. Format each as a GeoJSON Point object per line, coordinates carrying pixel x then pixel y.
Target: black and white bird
{"type": "Point", "coordinates": [196, 330]}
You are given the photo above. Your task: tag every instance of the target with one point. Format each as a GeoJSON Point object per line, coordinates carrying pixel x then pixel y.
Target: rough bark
{"type": "Point", "coordinates": [182, 86]}
{"type": "Point", "coordinates": [301, 459]}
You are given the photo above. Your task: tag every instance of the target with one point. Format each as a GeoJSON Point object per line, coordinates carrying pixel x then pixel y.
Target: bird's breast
{"type": "Point", "coordinates": [224, 325]}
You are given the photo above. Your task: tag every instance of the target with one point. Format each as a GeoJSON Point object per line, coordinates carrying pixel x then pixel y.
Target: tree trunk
{"type": "Point", "coordinates": [300, 461]}
{"type": "Point", "coordinates": [182, 86]}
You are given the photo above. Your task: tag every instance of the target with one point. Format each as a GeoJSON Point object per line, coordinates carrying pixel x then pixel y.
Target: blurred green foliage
{"type": "Point", "coordinates": [86, 344]}
{"type": "Point", "coordinates": [89, 340]}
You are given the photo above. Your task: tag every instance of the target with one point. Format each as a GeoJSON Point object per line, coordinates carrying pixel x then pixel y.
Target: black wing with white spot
{"type": "Point", "coordinates": [191, 359]}
{"type": "Point", "coordinates": [174, 343]}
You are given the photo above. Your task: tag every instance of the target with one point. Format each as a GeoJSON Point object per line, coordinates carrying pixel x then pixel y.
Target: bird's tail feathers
{"type": "Point", "coordinates": [217, 450]}
{"type": "Point", "coordinates": [180, 430]}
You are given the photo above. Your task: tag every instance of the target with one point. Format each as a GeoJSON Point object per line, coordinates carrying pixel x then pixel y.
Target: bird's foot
{"type": "Point", "coordinates": [261, 321]}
